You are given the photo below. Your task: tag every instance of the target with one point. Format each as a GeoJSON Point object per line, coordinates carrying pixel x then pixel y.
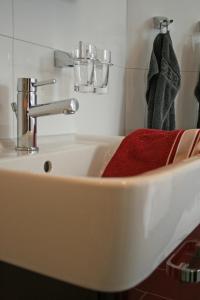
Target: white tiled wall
{"type": "Point", "coordinates": [185, 33]}
{"type": "Point", "coordinates": [6, 91]}
{"type": "Point", "coordinates": [30, 30]}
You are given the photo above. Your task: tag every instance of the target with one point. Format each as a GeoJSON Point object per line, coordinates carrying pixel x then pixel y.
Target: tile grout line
{"type": "Point", "coordinates": [140, 290]}
{"type": "Point", "coordinates": [162, 269]}
{"type": "Point", "coordinates": [127, 40]}
{"type": "Point", "coordinates": [137, 68]}
{"type": "Point", "coordinates": [25, 41]}
{"type": "Point", "coordinates": [162, 297]}
{"type": "Point", "coordinates": [46, 47]}
{"type": "Point", "coordinates": [13, 77]}
{"type": "Point", "coordinates": [52, 48]}
{"type": "Point", "coordinates": [13, 19]}
{"type": "Point", "coordinates": [154, 294]}
{"type": "Point", "coordinates": [142, 297]}
{"type": "Point", "coordinates": [125, 102]}
{"type": "Point", "coordinates": [146, 69]}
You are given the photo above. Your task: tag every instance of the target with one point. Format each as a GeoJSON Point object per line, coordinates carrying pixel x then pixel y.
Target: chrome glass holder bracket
{"type": "Point", "coordinates": [63, 59]}
{"type": "Point", "coordinates": [91, 67]}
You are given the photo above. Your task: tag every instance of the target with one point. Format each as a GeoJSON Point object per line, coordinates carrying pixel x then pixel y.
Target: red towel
{"type": "Point", "coordinates": [147, 149]}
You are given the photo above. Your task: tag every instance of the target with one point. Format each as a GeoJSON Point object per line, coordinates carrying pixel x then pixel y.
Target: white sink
{"type": "Point", "coordinates": [106, 234]}
{"type": "Point", "coordinates": [67, 156]}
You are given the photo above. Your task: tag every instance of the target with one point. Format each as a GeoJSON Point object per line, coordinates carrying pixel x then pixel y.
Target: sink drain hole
{"type": "Point", "coordinates": [47, 166]}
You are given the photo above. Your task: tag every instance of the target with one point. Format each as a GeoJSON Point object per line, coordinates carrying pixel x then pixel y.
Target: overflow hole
{"type": "Point", "coordinates": [47, 166]}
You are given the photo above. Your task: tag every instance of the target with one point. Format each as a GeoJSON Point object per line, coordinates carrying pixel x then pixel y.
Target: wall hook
{"type": "Point", "coordinates": [162, 23]}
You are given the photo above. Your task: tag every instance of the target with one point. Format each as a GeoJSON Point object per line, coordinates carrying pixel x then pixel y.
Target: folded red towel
{"type": "Point", "coordinates": [147, 149]}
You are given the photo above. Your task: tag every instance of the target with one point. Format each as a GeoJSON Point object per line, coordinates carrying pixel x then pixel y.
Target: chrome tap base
{"type": "Point", "coordinates": [27, 149]}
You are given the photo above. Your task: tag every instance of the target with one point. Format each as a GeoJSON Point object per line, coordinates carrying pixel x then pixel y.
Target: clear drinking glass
{"type": "Point", "coordinates": [101, 71]}
{"type": "Point", "coordinates": [84, 57]}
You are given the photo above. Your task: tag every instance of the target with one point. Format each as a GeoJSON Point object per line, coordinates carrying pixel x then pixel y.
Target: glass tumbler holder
{"type": "Point", "coordinates": [83, 75]}
{"type": "Point", "coordinates": [84, 57]}
{"type": "Point", "coordinates": [101, 71]}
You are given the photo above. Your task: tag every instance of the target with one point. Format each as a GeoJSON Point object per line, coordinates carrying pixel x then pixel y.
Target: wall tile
{"type": "Point", "coordinates": [36, 28]}
{"type": "Point", "coordinates": [40, 26]}
{"type": "Point", "coordinates": [135, 99]}
{"type": "Point", "coordinates": [103, 114]}
{"type": "Point", "coordinates": [186, 102]}
{"type": "Point", "coordinates": [62, 23]}
{"type": "Point", "coordinates": [6, 22]}
{"type": "Point", "coordinates": [136, 110]}
{"type": "Point", "coordinates": [185, 31]}
{"type": "Point", "coordinates": [98, 114]}
{"type": "Point", "coordinates": [6, 95]}
{"type": "Point", "coordinates": [35, 61]}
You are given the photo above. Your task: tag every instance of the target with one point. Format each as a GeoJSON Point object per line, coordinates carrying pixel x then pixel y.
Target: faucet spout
{"type": "Point", "coordinates": [68, 106]}
{"type": "Point", "coordinates": [27, 111]}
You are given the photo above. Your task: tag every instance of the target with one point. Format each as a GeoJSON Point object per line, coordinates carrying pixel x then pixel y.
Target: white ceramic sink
{"type": "Point", "coordinates": [106, 234]}
{"type": "Point", "coordinates": [67, 156]}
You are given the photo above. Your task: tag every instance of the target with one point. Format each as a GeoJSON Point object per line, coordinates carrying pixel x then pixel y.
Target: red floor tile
{"type": "Point", "coordinates": [133, 294]}
{"type": "Point", "coordinates": [194, 235]}
{"type": "Point", "coordinates": [153, 297]}
{"type": "Point", "coordinates": [161, 284]}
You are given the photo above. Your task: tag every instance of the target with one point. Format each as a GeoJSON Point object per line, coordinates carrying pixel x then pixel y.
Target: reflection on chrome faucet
{"type": "Point", "coordinates": [27, 111]}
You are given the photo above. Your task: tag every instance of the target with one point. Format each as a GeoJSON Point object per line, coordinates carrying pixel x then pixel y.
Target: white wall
{"type": "Point", "coordinates": [30, 30]}
{"type": "Point", "coordinates": [185, 34]}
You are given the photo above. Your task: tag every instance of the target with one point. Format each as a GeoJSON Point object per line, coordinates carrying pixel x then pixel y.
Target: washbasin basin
{"type": "Point", "coordinates": [60, 218]}
{"type": "Point", "coordinates": [74, 156]}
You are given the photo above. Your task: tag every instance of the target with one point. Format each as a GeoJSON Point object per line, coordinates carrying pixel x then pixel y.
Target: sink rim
{"type": "Point", "coordinates": [129, 181]}
{"type": "Point", "coordinates": [48, 145]}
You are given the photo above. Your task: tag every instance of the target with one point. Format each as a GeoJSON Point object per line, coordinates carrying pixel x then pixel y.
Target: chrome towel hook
{"type": "Point", "coordinates": [162, 23]}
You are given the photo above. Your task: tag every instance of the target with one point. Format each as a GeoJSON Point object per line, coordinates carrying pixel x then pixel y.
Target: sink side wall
{"type": "Point", "coordinates": [96, 235]}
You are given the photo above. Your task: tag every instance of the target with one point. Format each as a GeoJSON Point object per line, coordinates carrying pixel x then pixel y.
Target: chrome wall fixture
{"type": "Point", "coordinates": [91, 67]}
{"type": "Point", "coordinates": [184, 263]}
{"type": "Point", "coordinates": [162, 23]}
{"type": "Point", "coordinates": [27, 111]}
{"type": "Point", "coordinates": [63, 59]}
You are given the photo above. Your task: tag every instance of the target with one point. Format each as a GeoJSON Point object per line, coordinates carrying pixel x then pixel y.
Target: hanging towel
{"type": "Point", "coordinates": [163, 84]}
{"type": "Point", "coordinates": [147, 149]}
{"type": "Point", "coordinates": [197, 94]}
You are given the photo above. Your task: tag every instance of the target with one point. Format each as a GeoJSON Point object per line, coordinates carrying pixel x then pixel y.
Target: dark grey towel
{"type": "Point", "coordinates": [197, 94]}
{"type": "Point", "coordinates": [163, 83]}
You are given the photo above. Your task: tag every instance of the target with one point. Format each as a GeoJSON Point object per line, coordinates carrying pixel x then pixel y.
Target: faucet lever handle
{"type": "Point", "coordinates": [44, 82]}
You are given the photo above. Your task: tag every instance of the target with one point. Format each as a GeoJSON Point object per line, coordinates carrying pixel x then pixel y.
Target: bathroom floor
{"type": "Point", "coordinates": [160, 286]}
{"type": "Point", "coordinates": [20, 284]}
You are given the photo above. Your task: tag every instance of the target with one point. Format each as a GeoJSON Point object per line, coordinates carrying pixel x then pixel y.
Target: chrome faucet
{"type": "Point", "coordinates": [27, 111]}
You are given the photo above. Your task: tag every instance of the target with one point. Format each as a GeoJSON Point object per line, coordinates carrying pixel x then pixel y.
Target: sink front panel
{"type": "Point", "coordinates": [106, 234]}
